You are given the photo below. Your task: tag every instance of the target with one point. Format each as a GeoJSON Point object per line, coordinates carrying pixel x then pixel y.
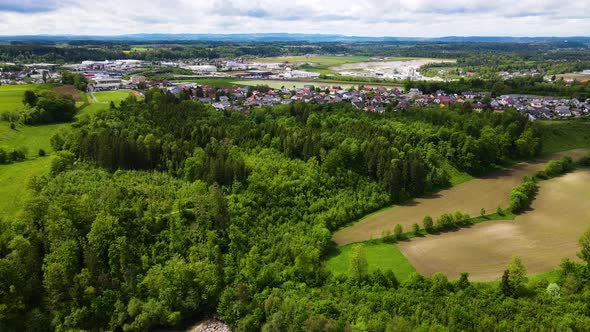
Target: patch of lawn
{"type": "Point", "coordinates": [13, 183]}
{"type": "Point", "coordinates": [457, 177]}
{"type": "Point", "coordinates": [93, 109]}
{"type": "Point", "coordinates": [32, 138]}
{"type": "Point", "coordinates": [103, 101]}
{"type": "Point", "coordinates": [506, 215]}
{"type": "Point", "coordinates": [11, 96]}
{"type": "Point", "coordinates": [550, 276]}
{"type": "Point", "coordinates": [380, 255]}
{"type": "Point", "coordinates": [115, 96]}
{"type": "Point", "coordinates": [562, 135]}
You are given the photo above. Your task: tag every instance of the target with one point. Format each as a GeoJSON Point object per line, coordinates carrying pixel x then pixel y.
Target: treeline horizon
{"type": "Point", "coordinates": [75, 51]}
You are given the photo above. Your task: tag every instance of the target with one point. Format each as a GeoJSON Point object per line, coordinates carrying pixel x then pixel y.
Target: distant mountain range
{"type": "Point", "coordinates": [284, 37]}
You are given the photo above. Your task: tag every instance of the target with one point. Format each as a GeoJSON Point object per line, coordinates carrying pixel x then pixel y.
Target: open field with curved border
{"type": "Point", "coordinates": [542, 236]}
{"type": "Point", "coordinates": [488, 192]}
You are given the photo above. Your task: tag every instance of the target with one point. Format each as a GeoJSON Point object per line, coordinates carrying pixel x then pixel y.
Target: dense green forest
{"type": "Point", "coordinates": [76, 51]}
{"type": "Point", "coordinates": [162, 210]}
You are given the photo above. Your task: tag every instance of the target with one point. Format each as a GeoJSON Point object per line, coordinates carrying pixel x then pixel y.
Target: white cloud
{"type": "Point", "coordinates": [349, 17]}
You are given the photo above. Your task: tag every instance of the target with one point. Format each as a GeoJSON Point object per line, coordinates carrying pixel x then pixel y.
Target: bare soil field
{"type": "Point", "coordinates": [543, 236]}
{"type": "Point", "coordinates": [68, 90]}
{"type": "Point", "coordinates": [386, 69]}
{"type": "Point", "coordinates": [389, 65]}
{"type": "Point", "coordinates": [488, 192]}
{"type": "Point", "coordinates": [575, 76]}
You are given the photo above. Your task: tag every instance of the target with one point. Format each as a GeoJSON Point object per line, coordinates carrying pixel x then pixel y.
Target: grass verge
{"type": "Point", "coordinates": [380, 255]}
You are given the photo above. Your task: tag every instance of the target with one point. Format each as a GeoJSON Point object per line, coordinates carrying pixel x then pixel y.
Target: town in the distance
{"type": "Point", "coordinates": [242, 83]}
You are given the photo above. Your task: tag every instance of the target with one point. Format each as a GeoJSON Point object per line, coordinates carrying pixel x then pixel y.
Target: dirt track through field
{"type": "Point", "coordinates": [542, 236]}
{"type": "Point", "coordinates": [489, 192]}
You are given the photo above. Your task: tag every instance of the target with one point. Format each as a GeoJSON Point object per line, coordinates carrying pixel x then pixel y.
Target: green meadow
{"type": "Point", "coordinates": [565, 135]}
{"type": "Point", "coordinates": [379, 255]}
{"type": "Point", "coordinates": [11, 96]}
{"type": "Point", "coordinates": [13, 183]}
{"type": "Point", "coordinates": [14, 177]}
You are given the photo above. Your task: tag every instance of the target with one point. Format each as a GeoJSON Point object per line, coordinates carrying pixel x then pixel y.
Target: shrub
{"type": "Point", "coordinates": [444, 222]}
{"type": "Point", "coordinates": [50, 108]}
{"type": "Point", "coordinates": [584, 161]}
{"type": "Point", "coordinates": [428, 224]}
{"type": "Point", "coordinates": [386, 235]}
{"type": "Point", "coordinates": [522, 196]}
{"type": "Point", "coordinates": [518, 202]}
{"type": "Point", "coordinates": [18, 155]}
{"type": "Point", "coordinates": [41, 153]}
{"type": "Point", "coordinates": [57, 142]}
{"type": "Point", "coordinates": [398, 231]}
{"type": "Point", "coordinates": [461, 219]}
{"type": "Point", "coordinates": [62, 162]}
{"type": "Point", "coordinates": [10, 116]}
{"type": "Point", "coordinates": [558, 167]}
{"type": "Point", "coordinates": [3, 157]}
{"type": "Point", "coordinates": [30, 98]}
{"type": "Point", "coordinates": [416, 229]}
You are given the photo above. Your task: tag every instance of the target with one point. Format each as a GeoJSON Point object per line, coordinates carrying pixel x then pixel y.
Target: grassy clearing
{"type": "Point", "coordinates": [115, 96]}
{"type": "Point", "coordinates": [104, 99]}
{"type": "Point", "coordinates": [457, 177]}
{"type": "Point", "coordinates": [13, 180]}
{"type": "Point", "coordinates": [92, 109]}
{"type": "Point", "coordinates": [32, 138]}
{"type": "Point", "coordinates": [11, 96]}
{"type": "Point", "coordinates": [379, 256]}
{"type": "Point", "coordinates": [565, 135]}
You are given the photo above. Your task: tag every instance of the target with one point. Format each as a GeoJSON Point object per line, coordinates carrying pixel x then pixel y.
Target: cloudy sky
{"type": "Point", "coordinates": [420, 18]}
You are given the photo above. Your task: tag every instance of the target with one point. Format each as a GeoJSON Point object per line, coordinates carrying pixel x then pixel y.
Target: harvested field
{"type": "Point", "coordinates": [489, 192]}
{"type": "Point", "coordinates": [400, 65]}
{"type": "Point", "coordinates": [542, 236]}
{"type": "Point", "coordinates": [575, 76]}
{"type": "Point", "coordinates": [68, 90]}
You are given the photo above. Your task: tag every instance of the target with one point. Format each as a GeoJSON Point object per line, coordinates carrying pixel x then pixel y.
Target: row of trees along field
{"type": "Point", "coordinates": [161, 211]}
{"type": "Point", "coordinates": [81, 50]}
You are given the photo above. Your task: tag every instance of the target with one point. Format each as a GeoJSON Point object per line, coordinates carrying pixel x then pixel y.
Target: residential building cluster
{"type": "Point", "coordinates": [377, 99]}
